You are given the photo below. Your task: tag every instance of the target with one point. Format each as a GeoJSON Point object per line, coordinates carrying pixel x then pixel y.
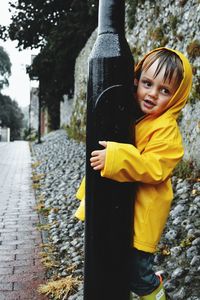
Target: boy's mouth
{"type": "Point", "coordinates": [149, 103]}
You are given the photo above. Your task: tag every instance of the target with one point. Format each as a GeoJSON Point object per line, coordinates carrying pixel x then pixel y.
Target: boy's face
{"type": "Point", "coordinates": [153, 94]}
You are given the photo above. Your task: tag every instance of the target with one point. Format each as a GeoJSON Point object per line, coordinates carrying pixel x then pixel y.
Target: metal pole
{"type": "Point", "coordinates": [110, 117]}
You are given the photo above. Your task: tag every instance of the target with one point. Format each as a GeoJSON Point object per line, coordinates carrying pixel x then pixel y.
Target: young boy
{"type": "Point", "coordinates": [163, 82]}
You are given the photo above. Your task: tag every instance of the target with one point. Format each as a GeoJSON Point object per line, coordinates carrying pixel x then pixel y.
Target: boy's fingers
{"type": "Point", "coordinates": [94, 158]}
{"type": "Point", "coordinates": [98, 167]}
{"type": "Point", "coordinates": [95, 153]}
{"type": "Point", "coordinates": [95, 165]}
{"type": "Point", "coordinates": [103, 143]}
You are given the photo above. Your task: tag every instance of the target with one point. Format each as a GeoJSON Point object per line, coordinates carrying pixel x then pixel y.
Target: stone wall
{"type": "Point", "coordinates": [34, 108]}
{"type": "Point", "coordinates": [174, 24]}
{"type": "Point", "coordinates": [78, 118]}
{"type": "Point", "coordinates": [65, 111]}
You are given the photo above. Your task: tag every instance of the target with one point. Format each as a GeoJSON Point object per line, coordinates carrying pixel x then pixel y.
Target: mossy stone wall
{"type": "Point", "coordinates": [174, 24]}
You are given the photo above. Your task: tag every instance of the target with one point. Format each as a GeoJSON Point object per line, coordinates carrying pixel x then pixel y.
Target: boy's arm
{"type": "Point", "coordinates": [124, 162]}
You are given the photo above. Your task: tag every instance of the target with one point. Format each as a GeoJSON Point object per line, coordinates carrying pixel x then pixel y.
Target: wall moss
{"type": "Point", "coordinates": [158, 36]}
{"type": "Point", "coordinates": [182, 2]}
{"type": "Point", "coordinates": [193, 49]}
{"type": "Point", "coordinates": [173, 21]}
{"type": "Point", "coordinates": [131, 11]}
{"type": "Point", "coordinates": [187, 169]}
{"type": "Point", "coordinates": [195, 93]}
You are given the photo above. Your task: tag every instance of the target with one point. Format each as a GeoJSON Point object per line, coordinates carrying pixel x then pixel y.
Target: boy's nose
{"type": "Point", "coordinates": [153, 93]}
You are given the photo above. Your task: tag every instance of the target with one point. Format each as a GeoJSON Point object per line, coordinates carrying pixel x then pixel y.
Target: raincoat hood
{"type": "Point", "coordinates": [179, 99]}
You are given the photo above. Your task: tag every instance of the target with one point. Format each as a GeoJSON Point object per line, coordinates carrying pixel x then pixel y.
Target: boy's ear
{"type": "Point", "coordinates": [136, 82]}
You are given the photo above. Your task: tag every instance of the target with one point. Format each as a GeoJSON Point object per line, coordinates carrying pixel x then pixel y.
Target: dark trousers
{"type": "Point", "coordinates": [143, 279]}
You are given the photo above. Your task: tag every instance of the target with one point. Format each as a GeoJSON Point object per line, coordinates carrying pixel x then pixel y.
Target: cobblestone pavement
{"type": "Point", "coordinates": [20, 268]}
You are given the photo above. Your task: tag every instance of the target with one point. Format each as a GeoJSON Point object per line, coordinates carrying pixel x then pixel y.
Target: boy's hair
{"type": "Point", "coordinates": [169, 60]}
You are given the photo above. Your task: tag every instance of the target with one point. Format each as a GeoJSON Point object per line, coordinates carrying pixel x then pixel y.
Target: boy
{"type": "Point", "coordinates": [163, 82]}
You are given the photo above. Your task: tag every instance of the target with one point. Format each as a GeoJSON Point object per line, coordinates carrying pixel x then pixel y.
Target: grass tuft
{"type": "Point", "coordinates": [61, 288]}
{"type": "Point", "coordinates": [36, 164]}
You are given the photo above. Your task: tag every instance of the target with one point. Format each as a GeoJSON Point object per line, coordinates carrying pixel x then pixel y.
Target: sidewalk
{"type": "Point", "coordinates": [20, 269]}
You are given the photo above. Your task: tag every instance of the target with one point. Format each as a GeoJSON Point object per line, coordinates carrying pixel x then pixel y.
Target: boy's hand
{"type": "Point", "coordinates": [97, 161]}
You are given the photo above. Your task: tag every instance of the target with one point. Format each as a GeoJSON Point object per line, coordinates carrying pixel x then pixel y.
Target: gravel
{"type": "Point", "coordinates": [62, 165]}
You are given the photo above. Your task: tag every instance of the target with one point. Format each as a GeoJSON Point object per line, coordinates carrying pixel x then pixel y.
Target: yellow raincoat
{"type": "Point", "coordinates": [150, 163]}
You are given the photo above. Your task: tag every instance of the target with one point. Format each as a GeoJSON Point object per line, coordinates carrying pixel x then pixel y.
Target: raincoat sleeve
{"type": "Point", "coordinates": [125, 163]}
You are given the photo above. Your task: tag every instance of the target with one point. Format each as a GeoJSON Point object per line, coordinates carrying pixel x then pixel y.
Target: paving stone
{"type": "Point", "coordinates": [6, 270]}
{"type": "Point", "coordinates": [6, 286]}
{"type": "Point", "coordinates": [20, 275]}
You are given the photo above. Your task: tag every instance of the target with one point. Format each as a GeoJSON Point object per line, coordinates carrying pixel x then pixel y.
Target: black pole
{"type": "Point", "coordinates": [109, 204]}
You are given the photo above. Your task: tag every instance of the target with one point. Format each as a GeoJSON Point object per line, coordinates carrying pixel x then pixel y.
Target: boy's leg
{"type": "Point", "coordinates": [157, 294]}
{"type": "Point", "coordinates": [144, 281]}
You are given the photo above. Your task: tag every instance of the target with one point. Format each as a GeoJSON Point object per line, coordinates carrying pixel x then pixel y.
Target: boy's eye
{"type": "Point", "coordinates": [146, 83]}
{"type": "Point", "coordinates": [165, 91]}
